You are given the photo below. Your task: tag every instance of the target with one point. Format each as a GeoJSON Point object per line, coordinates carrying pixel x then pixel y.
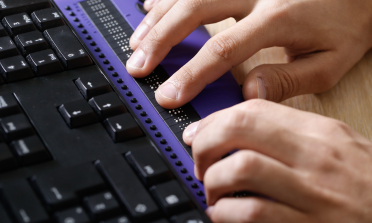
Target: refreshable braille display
{"type": "Point", "coordinates": [83, 141]}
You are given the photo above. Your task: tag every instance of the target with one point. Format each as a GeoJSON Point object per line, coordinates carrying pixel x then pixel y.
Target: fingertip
{"type": "Point", "coordinates": [196, 173]}
{"type": "Point", "coordinates": [149, 4]}
{"type": "Point", "coordinates": [134, 43]}
{"type": "Point", "coordinates": [189, 133]}
{"type": "Point", "coordinates": [250, 88]}
{"type": "Point", "coordinates": [167, 96]}
{"type": "Point", "coordinates": [209, 211]}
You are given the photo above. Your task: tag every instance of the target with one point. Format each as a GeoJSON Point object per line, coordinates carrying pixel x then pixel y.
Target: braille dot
{"type": "Point", "coordinates": [158, 134]}
{"type": "Point", "coordinates": [67, 8]}
{"type": "Point", "coordinates": [129, 93]}
{"type": "Point", "coordinates": [189, 178]}
{"type": "Point", "coordinates": [72, 14]}
{"type": "Point", "coordinates": [143, 114]}
{"type": "Point", "coordinates": [101, 55]}
{"type": "Point", "coordinates": [168, 149]}
{"type": "Point", "coordinates": [163, 141]}
{"type": "Point", "coordinates": [110, 68]}
{"type": "Point", "coordinates": [179, 163]}
{"type": "Point", "coordinates": [200, 193]}
{"type": "Point", "coordinates": [97, 49]}
{"type": "Point", "coordinates": [115, 74]}
{"type": "Point", "coordinates": [76, 20]}
{"type": "Point", "coordinates": [194, 185]}
{"type": "Point", "coordinates": [120, 81]}
{"type": "Point", "coordinates": [173, 156]}
{"type": "Point", "coordinates": [124, 87]}
{"type": "Point", "coordinates": [148, 120]}
{"type": "Point", "coordinates": [153, 127]}
{"type": "Point", "coordinates": [84, 31]}
{"type": "Point", "coordinates": [93, 43]}
{"type": "Point", "coordinates": [80, 25]}
{"type": "Point", "coordinates": [138, 107]}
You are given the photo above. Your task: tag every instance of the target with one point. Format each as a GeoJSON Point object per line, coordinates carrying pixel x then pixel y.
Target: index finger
{"type": "Point", "coordinates": [222, 52]}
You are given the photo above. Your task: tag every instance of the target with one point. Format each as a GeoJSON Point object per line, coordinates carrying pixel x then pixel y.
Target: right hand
{"type": "Point", "coordinates": [323, 40]}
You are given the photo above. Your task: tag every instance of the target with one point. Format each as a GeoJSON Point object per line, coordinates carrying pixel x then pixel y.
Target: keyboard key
{"type": "Point", "coordinates": [47, 18]}
{"type": "Point", "coordinates": [23, 203]}
{"type": "Point", "coordinates": [15, 69]}
{"type": "Point", "coordinates": [4, 216]}
{"type": "Point", "coordinates": [148, 165]}
{"type": "Point", "coordinates": [7, 160]}
{"type": "Point", "coordinates": [31, 42]}
{"type": "Point", "coordinates": [77, 113]}
{"type": "Point", "coordinates": [2, 31]}
{"type": "Point", "coordinates": [7, 48]}
{"type": "Point", "coordinates": [91, 86]}
{"type": "Point", "coordinates": [72, 215]}
{"type": "Point", "coordinates": [30, 150]}
{"type": "Point", "coordinates": [15, 127]}
{"type": "Point", "coordinates": [68, 48]}
{"type": "Point", "coordinates": [102, 205]}
{"type": "Point", "coordinates": [122, 219]}
{"type": "Point", "coordinates": [107, 105]}
{"type": "Point", "coordinates": [122, 127]}
{"type": "Point", "coordinates": [18, 23]}
{"type": "Point", "coordinates": [60, 188]}
{"type": "Point", "coordinates": [132, 194]}
{"type": "Point", "coordinates": [171, 197]}
{"type": "Point", "coordinates": [44, 62]}
{"type": "Point", "coordinates": [9, 7]}
{"type": "Point", "coordinates": [8, 105]}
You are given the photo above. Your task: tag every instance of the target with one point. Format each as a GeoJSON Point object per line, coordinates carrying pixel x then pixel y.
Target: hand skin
{"type": "Point", "coordinates": [314, 169]}
{"type": "Point", "coordinates": [323, 40]}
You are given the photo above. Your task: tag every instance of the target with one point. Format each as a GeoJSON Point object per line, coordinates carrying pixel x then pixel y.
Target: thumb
{"type": "Point", "coordinates": [314, 73]}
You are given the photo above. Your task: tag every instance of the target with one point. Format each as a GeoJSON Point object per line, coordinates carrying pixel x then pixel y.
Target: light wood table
{"type": "Point", "coordinates": [349, 101]}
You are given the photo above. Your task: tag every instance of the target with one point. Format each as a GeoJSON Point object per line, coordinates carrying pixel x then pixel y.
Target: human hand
{"type": "Point", "coordinates": [313, 168]}
{"type": "Point", "coordinates": [323, 40]}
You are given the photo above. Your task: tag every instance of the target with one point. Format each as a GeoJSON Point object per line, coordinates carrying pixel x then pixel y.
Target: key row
{"type": "Point", "coordinates": [19, 136]}
{"type": "Point", "coordinates": [69, 52]}
{"type": "Point", "coordinates": [63, 190]}
{"type": "Point", "coordinates": [40, 19]}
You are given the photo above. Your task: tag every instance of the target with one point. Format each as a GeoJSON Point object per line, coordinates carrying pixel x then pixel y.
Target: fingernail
{"type": "Point", "coordinates": [261, 91]}
{"type": "Point", "coordinates": [149, 2]}
{"type": "Point", "coordinates": [141, 32]}
{"type": "Point", "coordinates": [168, 90]}
{"type": "Point", "coordinates": [137, 60]}
{"type": "Point", "coordinates": [209, 211]}
{"type": "Point", "coordinates": [191, 129]}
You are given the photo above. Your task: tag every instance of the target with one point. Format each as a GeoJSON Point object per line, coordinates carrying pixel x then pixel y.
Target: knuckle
{"type": "Point", "coordinates": [185, 76]}
{"type": "Point", "coordinates": [233, 122]}
{"type": "Point", "coordinates": [245, 164]}
{"type": "Point", "coordinates": [153, 38]}
{"type": "Point", "coordinates": [281, 83]}
{"type": "Point", "coordinates": [222, 46]}
{"type": "Point", "coordinates": [191, 5]}
{"type": "Point", "coordinates": [255, 211]}
{"type": "Point", "coordinates": [288, 85]}
{"type": "Point", "coordinates": [255, 105]}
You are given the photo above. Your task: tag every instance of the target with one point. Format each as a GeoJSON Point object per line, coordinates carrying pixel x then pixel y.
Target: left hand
{"type": "Point", "coordinates": [308, 168]}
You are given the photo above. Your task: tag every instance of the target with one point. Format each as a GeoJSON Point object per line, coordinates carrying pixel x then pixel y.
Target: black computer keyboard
{"type": "Point", "coordinates": [70, 148]}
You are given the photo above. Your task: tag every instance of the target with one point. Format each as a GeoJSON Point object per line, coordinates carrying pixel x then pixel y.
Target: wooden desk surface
{"type": "Point", "coordinates": [349, 101]}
